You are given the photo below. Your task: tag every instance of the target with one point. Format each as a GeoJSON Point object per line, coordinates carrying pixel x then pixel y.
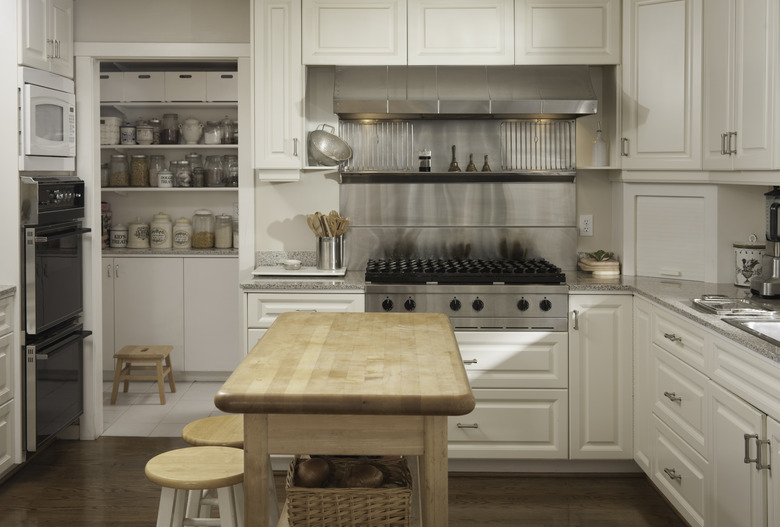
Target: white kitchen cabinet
{"type": "Point", "coordinates": [280, 144]}
{"type": "Point", "coordinates": [212, 316]}
{"type": "Point", "coordinates": [567, 32]}
{"type": "Point", "coordinates": [6, 368]}
{"type": "Point", "coordinates": [643, 359]}
{"type": "Point", "coordinates": [8, 404]}
{"type": "Point", "coordinates": [737, 488]}
{"type": "Point", "coordinates": [261, 309]}
{"type": "Point", "coordinates": [740, 75]}
{"type": "Point", "coordinates": [367, 32]}
{"type": "Point", "coordinates": [662, 84]}
{"type": "Point", "coordinates": [46, 35]}
{"type": "Point", "coordinates": [773, 479]}
{"type": "Point", "coordinates": [600, 377]}
{"type": "Point", "coordinates": [460, 32]}
{"type": "Point", "coordinates": [7, 435]}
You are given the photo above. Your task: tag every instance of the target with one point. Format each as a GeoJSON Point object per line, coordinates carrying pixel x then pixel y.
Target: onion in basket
{"type": "Point", "coordinates": [364, 475]}
{"type": "Point", "coordinates": [312, 473]}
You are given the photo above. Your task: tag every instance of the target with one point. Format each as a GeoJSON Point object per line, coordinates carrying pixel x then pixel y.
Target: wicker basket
{"type": "Point", "coordinates": [352, 507]}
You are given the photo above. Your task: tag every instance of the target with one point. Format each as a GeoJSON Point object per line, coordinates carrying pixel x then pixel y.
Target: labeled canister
{"type": "Point", "coordinates": [223, 231]}
{"type": "Point", "coordinates": [182, 234]}
{"type": "Point", "coordinates": [748, 257]}
{"type": "Point", "coordinates": [118, 236]}
{"type": "Point", "coordinates": [138, 235]}
{"type": "Point", "coordinates": [161, 232]}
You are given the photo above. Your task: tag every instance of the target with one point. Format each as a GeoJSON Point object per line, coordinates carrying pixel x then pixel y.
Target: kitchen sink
{"type": "Point", "coordinates": [765, 327]}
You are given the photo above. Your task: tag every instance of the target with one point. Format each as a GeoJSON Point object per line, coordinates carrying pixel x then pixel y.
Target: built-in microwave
{"type": "Point", "coordinates": [47, 121]}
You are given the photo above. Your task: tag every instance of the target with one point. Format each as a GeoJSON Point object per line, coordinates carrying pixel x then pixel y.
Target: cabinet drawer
{"type": "Point", "coordinates": [512, 424]}
{"type": "Point", "coordinates": [112, 86]}
{"type": "Point", "coordinates": [252, 336]}
{"type": "Point", "coordinates": [221, 86]}
{"type": "Point", "coordinates": [679, 337]}
{"type": "Point", "coordinates": [680, 473]}
{"type": "Point", "coordinates": [262, 308]}
{"type": "Point", "coordinates": [515, 359]}
{"type": "Point", "coordinates": [185, 86]}
{"type": "Point", "coordinates": [680, 398]}
{"type": "Point", "coordinates": [144, 86]}
{"type": "Point", "coordinates": [6, 376]}
{"type": "Point", "coordinates": [6, 314]}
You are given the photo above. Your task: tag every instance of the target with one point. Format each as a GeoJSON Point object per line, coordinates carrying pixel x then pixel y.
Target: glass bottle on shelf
{"type": "Point", "coordinates": [196, 167]}
{"type": "Point", "coordinates": [212, 171]}
{"type": "Point", "coordinates": [183, 174]}
{"type": "Point", "coordinates": [139, 171]}
{"type": "Point", "coordinates": [156, 164]}
{"type": "Point", "coordinates": [227, 130]}
{"type": "Point", "coordinates": [230, 170]}
{"type": "Point", "coordinates": [212, 133]}
{"type": "Point", "coordinates": [174, 168]}
{"type": "Point", "coordinates": [156, 125]}
{"type": "Point", "coordinates": [119, 171]}
{"type": "Point", "coordinates": [169, 134]}
{"type": "Point", "coordinates": [203, 229]}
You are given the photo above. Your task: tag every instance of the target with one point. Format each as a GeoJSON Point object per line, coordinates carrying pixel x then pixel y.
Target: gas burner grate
{"type": "Point", "coordinates": [467, 271]}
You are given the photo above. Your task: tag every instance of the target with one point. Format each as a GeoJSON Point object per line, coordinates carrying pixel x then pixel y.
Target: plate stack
{"type": "Point", "coordinates": [608, 267]}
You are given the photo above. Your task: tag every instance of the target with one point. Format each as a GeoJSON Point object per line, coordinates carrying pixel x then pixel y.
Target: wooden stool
{"type": "Point", "coordinates": [196, 469]}
{"type": "Point", "coordinates": [151, 359]}
{"type": "Point", "coordinates": [223, 430]}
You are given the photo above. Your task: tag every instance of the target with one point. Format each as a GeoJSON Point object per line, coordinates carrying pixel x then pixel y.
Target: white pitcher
{"type": "Point", "coordinates": [191, 130]}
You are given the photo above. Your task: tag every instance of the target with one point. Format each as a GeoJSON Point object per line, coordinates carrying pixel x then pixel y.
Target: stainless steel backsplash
{"type": "Point", "coordinates": [476, 220]}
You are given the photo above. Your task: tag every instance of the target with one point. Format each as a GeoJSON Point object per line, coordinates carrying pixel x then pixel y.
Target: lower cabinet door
{"type": "Point", "coordinates": [252, 336]}
{"type": "Point", "coordinates": [680, 473]}
{"type": "Point", "coordinates": [7, 436]}
{"type": "Point", "coordinates": [773, 478]}
{"type": "Point", "coordinates": [512, 424]}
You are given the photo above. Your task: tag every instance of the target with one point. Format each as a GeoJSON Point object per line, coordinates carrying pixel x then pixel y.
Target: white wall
{"type": "Point", "coordinates": [226, 21]}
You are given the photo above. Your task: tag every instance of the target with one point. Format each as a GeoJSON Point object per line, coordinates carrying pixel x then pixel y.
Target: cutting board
{"type": "Point", "coordinates": [278, 270]}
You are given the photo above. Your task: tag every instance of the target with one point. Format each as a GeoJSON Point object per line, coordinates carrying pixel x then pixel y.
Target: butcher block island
{"type": "Point", "coordinates": [350, 384]}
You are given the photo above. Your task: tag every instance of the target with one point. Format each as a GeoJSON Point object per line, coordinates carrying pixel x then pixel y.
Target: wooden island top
{"type": "Point", "coordinates": [349, 384]}
{"type": "Point", "coordinates": [352, 363]}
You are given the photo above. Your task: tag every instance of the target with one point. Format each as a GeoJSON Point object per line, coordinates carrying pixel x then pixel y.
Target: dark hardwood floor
{"type": "Point", "coordinates": [102, 483]}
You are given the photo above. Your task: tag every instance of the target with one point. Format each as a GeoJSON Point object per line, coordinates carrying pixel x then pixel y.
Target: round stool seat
{"type": "Point", "coordinates": [198, 467]}
{"type": "Point", "coordinates": [219, 430]}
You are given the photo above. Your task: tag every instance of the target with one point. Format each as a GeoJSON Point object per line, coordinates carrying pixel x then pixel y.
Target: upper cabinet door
{"type": "Point", "coordinates": [61, 30]}
{"type": "Point", "coordinates": [718, 85]}
{"type": "Point", "coordinates": [368, 32]}
{"type": "Point", "coordinates": [662, 85]}
{"type": "Point", "coordinates": [35, 45]}
{"type": "Point", "coordinates": [461, 32]}
{"type": "Point", "coordinates": [567, 31]}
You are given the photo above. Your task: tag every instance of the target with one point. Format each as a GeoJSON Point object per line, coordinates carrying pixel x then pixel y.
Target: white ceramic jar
{"type": "Point", "coordinates": [191, 130]}
{"type": "Point", "coordinates": [138, 235]}
{"type": "Point", "coordinates": [182, 234]}
{"type": "Point", "coordinates": [118, 236]}
{"type": "Point", "coordinates": [161, 232]}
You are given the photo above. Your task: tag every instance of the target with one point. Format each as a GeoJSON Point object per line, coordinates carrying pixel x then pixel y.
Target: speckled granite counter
{"type": "Point", "coordinates": [6, 290]}
{"type": "Point", "coordinates": [186, 253]}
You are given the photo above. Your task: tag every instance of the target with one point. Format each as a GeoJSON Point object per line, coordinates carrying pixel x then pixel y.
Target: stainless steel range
{"type": "Point", "coordinates": [477, 294]}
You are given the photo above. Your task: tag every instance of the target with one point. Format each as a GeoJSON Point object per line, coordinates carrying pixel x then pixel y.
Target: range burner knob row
{"type": "Point", "coordinates": [545, 305]}
{"type": "Point", "coordinates": [410, 304]}
{"type": "Point", "coordinates": [455, 304]}
{"type": "Point", "coordinates": [523, 304]}
{"type": "Point", "coordinates": [387, 304]}
{"type": "Point", "coordinates": [478, 305]}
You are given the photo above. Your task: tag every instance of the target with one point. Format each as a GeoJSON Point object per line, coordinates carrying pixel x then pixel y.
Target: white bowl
{"type": "Point", "coordinates": [291, 265]}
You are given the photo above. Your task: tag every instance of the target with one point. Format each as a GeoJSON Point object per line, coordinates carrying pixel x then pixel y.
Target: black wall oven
{"type": "Point", "coordinates": [53, 257]}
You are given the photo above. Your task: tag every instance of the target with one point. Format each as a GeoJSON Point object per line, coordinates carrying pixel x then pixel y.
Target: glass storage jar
{"type": "Point", "coordinates": [105, 175]}
{"type": "Point", "coordinates": [227, 130]}
{"type": "Point", "coordinates": [156, 125]}
{"type": "Point", "coordinates": [182, 234]}
{"type": "Point", "coordinates": [169, 133]}
{"type": "Point", "coordinates": [212, 133]}
{"type": "Point", "coordinates": [173, 167]}
{"type": "Point", "coordinates": [119, 171]}
{"type": "Point", "coordinates": [139, 171]}
{"type": "Point", "coordinates": [212, 171]}
{"type": "Point", "coordinates": [223, 231]}
{"type": "Point", "coordinates": [156, 165]}
{"type": "Point", "coordinates": [203, 229]}
{"type": "Point", "coordinates": [230, 170]}
{"type": "Point", "coordinates": [183, 174]}
{"type": "Point", "coordinates": [160, 232]}
{"type": "Point", "coordinates": [196, 167]}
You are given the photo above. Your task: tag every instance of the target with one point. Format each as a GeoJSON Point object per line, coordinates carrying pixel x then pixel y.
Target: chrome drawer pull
{"type": "Point", "coordinates": [470, 361]}
{"type": "Point", "coordinates": [673, 475]}
{"type": "Point", "coordinates": [473, 425]}
{"type": "Point", "coordinates": [673, 397]}
{"type": "Point", "coordinates": [672, 337]}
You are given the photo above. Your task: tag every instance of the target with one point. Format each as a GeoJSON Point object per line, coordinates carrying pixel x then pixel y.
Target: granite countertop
{"type": "Point", "coordinates": [6, 290]}
{"type": "Point", "coordinates": [171, 252]}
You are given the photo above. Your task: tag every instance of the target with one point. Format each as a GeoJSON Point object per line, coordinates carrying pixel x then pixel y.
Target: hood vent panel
{"type": "Point", "coordinates": [448, 92]}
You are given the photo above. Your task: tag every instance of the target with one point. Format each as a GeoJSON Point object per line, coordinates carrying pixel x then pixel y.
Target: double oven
{"type": "Point", "coordinates": [52, 209]}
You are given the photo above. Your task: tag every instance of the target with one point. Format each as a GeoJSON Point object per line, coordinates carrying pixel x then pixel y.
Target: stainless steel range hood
{"type": "Point", "coordinates": [456, 92]}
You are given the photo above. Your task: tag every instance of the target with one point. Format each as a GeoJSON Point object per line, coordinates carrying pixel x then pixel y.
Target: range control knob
{"type": "Point", "coordinates": [410, 304]}
{"type": "Point", "coordinates": [522, 304]}
{"type": "Point", "coordinates": [455, 304]}
{"type": "Point", "coordinates": [478, 305]}
{"type": "Point", "coordinates": [545, 305]}
{"type": "Point", "coordinates": [387, 304]}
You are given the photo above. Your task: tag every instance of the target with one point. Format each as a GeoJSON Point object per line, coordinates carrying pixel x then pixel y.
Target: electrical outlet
{"type": "Point", "coordinates": [586, 224]}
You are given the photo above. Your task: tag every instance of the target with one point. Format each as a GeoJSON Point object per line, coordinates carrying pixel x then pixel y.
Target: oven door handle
{"type": "Point", "coordinates": [58, 236]}
{"type": "Point", "coordinates": [80, 335]}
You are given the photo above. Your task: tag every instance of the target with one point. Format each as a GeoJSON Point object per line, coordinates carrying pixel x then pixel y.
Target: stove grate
{"type": "Point", "coordinates": [463, 271]}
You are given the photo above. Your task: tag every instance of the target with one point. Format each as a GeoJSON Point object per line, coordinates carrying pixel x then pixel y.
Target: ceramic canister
{"type": "Point", "coordinates": [138, 235]}
{"type": "Point", "coordinates": [748, 257]}
{"type": "Point", "coordinates": [161, 232]}
{"type": "Point", "coordinates": [118, 236]}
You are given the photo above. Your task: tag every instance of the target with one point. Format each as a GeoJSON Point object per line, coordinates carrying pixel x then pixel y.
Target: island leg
{"type": "Point", "coordinates": [256, 466]}
{"type": "Point", "coordinates": [433, 472]}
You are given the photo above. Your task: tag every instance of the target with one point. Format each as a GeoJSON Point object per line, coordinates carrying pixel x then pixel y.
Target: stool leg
{"type": "Point", "coordinates": [117, 373]}
{"type": "Point", "coordinates": [127, 367]}
{"type": "Point", "coordinates": [227, 507]}
{"type": "Point", "coordinates": [238, 497]}
{"type": "Point", "coordinates": [193, 504]}
{"type": "Point", "coordinates": [273, 506]}
{"type": "Point", "coordinates": [160, 381]}
{"type": "Point", "coordinates": [165, 511]}
{"type": "Point", "coordinates": [179, 507]}
{"type": "Point", "coordinates": [171, 382]}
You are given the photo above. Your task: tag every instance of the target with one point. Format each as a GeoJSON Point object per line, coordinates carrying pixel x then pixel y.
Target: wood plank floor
{"type": "Point", "coordinates": [101, 483]}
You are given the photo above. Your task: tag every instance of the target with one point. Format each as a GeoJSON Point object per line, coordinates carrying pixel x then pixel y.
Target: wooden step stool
{"type": "Point", "coordinates": [194, 469]}
{"type": "Point", "coordinates": [143, 358]}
